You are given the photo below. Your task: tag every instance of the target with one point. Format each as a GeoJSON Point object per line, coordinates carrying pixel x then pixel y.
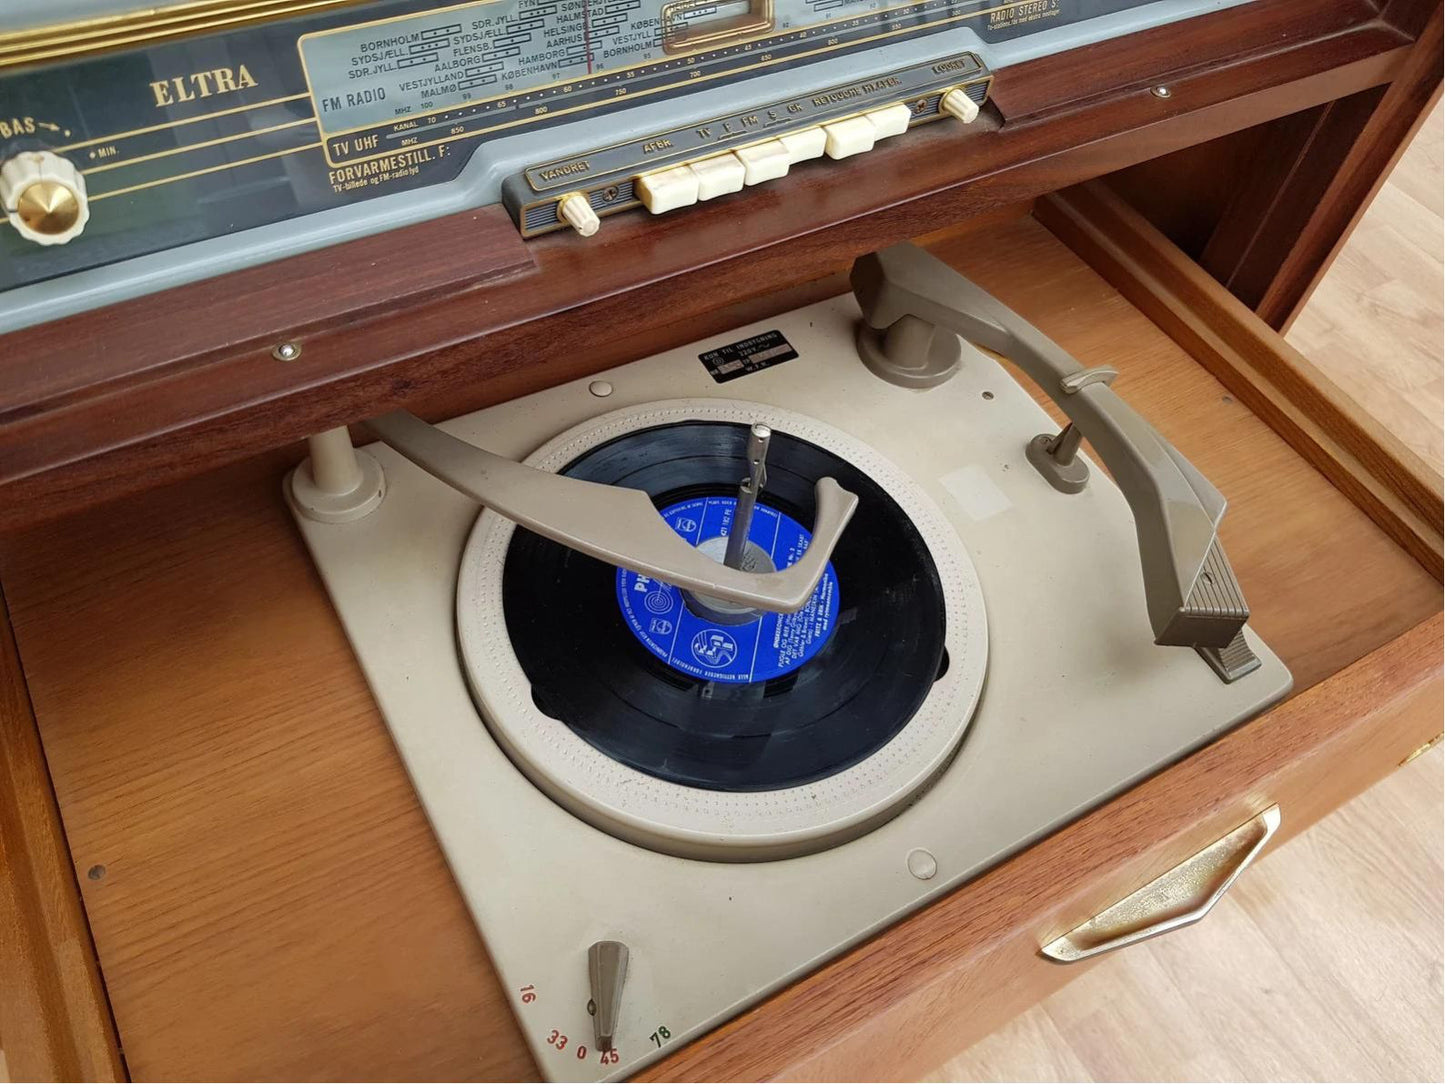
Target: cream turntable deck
{"type": "Point", "coordinates": [669, 788]}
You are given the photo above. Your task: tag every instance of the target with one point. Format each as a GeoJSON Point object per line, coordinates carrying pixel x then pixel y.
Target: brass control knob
{"type": "Point", "coordinates": [957, 103]}
{"type": "Point", "coordinates": [44, 197]}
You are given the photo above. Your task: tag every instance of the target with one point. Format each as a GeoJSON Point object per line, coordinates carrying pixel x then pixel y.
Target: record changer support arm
{"type": "Point", "coordinates": [612, 523]}
{"type": "Point", "coordinates": [1192, 595]}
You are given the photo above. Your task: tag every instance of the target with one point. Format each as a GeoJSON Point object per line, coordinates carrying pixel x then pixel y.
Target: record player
{"type": "Point", "coordinates": [672, 769]}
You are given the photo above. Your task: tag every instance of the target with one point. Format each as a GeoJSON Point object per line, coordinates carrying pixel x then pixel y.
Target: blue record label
{"type": "Point", "coordinates": [766, 648]}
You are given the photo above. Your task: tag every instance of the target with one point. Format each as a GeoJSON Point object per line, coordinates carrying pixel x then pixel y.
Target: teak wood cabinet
{"type": "Point", "coordinates": [211, 861]}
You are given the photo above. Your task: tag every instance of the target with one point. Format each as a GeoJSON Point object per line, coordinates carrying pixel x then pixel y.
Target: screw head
{"type": "Point", "coordinates": [1161, 92]}
{"type": "Point", "coordinates": [286, 351]}
{"type": "Point", "coordinates": [922, 864]}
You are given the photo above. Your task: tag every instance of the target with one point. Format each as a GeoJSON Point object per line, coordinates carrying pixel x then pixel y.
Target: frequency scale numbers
{"type": "Point", "coordinates": [558, 1040]}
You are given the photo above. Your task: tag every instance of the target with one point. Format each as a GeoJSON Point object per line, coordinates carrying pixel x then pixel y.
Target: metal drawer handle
{"type": "Point", "coordinates": [1178, 898]}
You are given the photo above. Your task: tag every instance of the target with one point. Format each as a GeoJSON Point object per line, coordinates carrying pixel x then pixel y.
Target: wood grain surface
{"type": "Point", "coordinates": [45, 367]}
{"type": "Point", "coordinates": [53, 1012]}
{"type": "Point", "coordinates": [1363, 157]}
{"type": "Point", "coordinates": [1290, 171]}
{"type": "Point", "coordinates": [1322, 963]}
{"type": "Point", "coordinates": [1302, 189]}
{"type": "Point", "coordinates": [1341, 927]}
{"type": "Point", "coordinates": [273, 904]}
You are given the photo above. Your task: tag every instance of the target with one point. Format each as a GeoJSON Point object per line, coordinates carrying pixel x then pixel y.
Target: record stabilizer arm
{"type": "Point", "coordinates": [614, 524]}
{"type": "Point", "coordinates": [913, 306]}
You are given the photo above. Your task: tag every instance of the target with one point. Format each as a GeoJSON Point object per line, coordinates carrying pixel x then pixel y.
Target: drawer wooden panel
{"type": "Point", "coordinates": [272, 903]}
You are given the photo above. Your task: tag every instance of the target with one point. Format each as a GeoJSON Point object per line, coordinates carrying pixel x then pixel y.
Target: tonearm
{"type": "Point", "coordinates": [913, 306]}
{"type": "Point", "coordinates": [613, 523]}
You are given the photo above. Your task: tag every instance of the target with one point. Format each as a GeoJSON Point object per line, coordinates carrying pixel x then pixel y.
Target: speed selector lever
{"type": "Point", "coordinates": [913, 306]}
{"type": "Point", "coordinates": [613, 523]}
{"type": "Point", "coordinates": [606, 975]}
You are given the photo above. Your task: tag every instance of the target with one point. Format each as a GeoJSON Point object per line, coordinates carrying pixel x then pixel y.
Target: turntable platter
{"type": "Point", "coordinates": [781, 736]}
{"type": "Point", "coordinates": [779, 701]}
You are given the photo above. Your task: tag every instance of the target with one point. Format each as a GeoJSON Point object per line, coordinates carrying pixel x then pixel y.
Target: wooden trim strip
{"type": "Point", "coordinates": [948, 975]}
{"type": "Point", "coordinates": [1358, 455]}
{"type": "Point", "coordinates": [452, 256]}
{"type": "Point", "coordinates": [54, 1014]}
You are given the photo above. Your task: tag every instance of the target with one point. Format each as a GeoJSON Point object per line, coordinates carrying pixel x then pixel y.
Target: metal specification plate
{"type": "Point", "coordinates": [746, 356]}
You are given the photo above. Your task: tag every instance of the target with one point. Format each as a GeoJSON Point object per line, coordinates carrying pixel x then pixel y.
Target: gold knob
{"type": "Point", "coordinates": [43, 196]}
{"type": "Point", "coordinates": [48, 207]}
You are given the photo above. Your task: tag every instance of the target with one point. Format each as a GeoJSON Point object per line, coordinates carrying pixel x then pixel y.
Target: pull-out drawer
{"type": "Point", "coordinates": [264, 894]}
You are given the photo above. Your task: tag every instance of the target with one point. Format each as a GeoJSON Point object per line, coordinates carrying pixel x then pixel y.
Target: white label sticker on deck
{"type": "Point", "coordinates": [975, 492]}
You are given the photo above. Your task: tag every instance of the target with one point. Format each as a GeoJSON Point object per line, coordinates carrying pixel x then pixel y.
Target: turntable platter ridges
{"type": "Point", "coordinates": [736, 825]}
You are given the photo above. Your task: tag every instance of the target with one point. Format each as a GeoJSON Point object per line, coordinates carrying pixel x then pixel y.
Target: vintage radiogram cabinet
{"type": "Point", "coordinates": [274, 799]}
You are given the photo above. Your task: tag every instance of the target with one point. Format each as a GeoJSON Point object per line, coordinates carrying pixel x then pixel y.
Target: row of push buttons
{"type": "Point", "coordinates": [707, 178]}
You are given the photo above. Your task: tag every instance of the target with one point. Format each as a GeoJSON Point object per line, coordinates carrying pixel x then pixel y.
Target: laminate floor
{"type": "Point", "coordinates": [1324, 961]}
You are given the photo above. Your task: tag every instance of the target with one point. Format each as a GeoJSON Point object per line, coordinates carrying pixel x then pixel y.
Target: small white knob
{"type": "Point", "coordinates": [575, 210]}
{"type": "Point", "coordinates": [44, 197]}
{"type": "Point", "coordinates": [957, 103]}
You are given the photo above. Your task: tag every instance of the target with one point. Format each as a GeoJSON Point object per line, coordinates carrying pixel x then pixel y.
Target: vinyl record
{"type": "Point", "coordinates": [819, 715]}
